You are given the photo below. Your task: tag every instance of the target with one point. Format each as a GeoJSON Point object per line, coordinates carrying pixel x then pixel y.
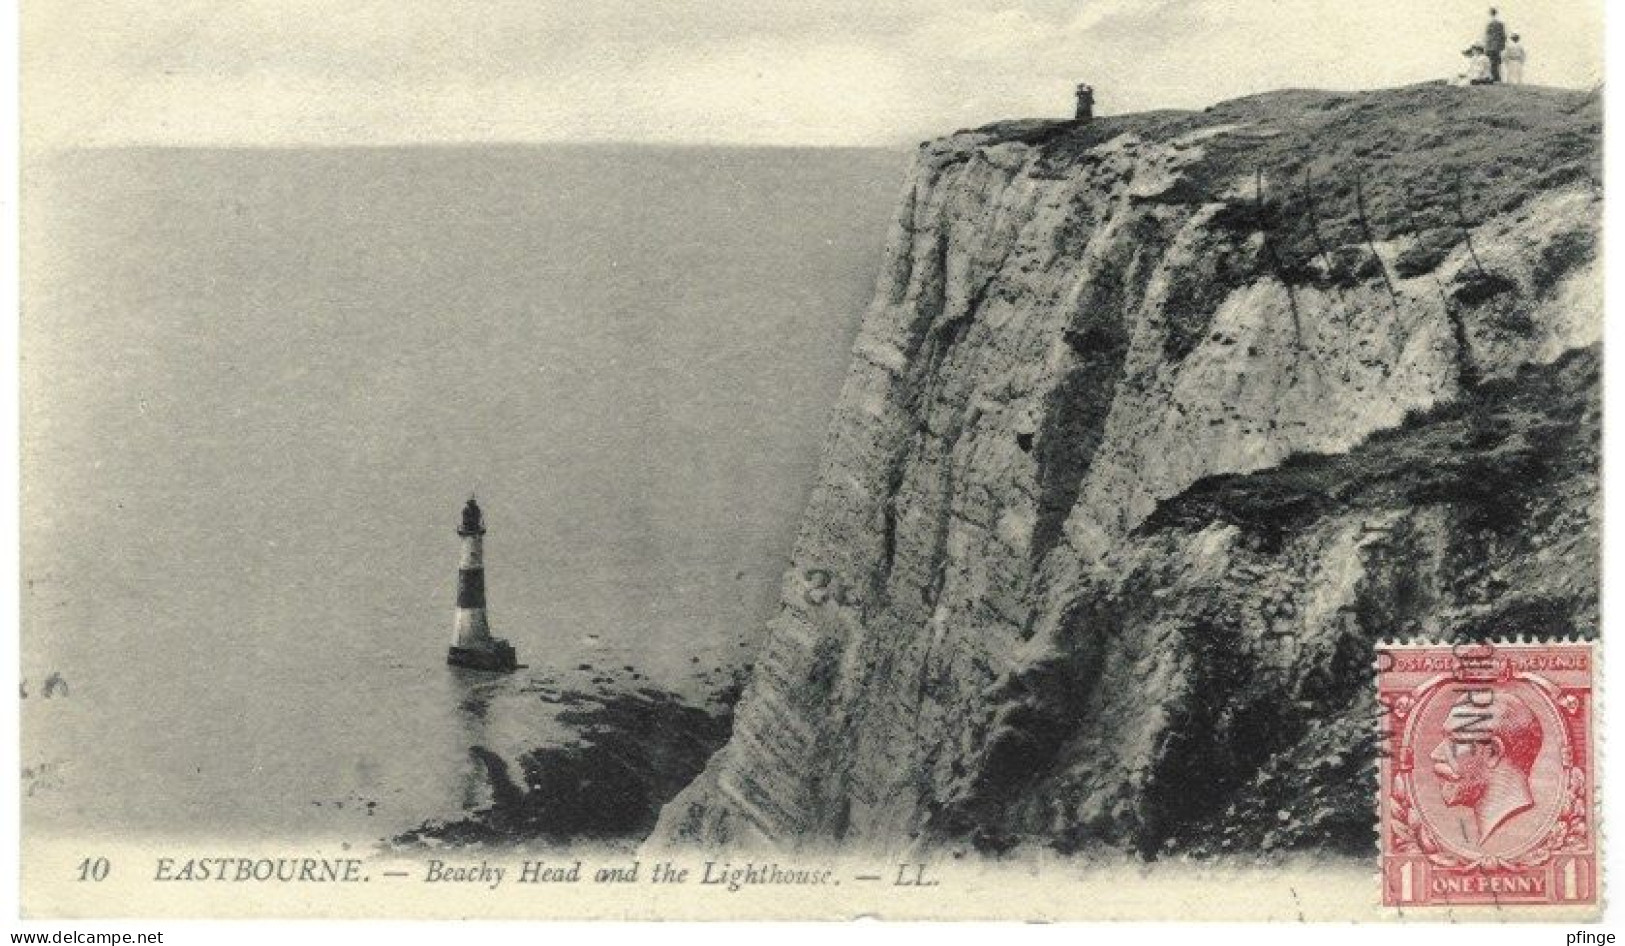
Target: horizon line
{"type": "Point", "coordinates": [901, 143]}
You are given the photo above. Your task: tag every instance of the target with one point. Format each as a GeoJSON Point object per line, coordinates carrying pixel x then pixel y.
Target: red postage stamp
{"type": "Point", "coordinates": [1487, 785]}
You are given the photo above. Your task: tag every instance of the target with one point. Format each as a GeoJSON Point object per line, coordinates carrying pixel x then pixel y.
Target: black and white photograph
{"type": "Point", "coordinates": [1020, 460]}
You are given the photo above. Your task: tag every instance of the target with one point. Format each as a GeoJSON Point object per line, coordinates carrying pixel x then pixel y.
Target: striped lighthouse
{"type": "Point", "coordinates": [472, 644]}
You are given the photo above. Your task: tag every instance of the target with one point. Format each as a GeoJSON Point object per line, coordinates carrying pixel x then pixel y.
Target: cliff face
{"type": "Point", "coordinates": [1154, 426]}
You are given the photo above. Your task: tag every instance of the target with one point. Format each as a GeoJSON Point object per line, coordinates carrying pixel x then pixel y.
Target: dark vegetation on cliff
{"type": "Point", "coordinates": [1333, 174]}
{"type": "Point", "coordinates": [1423, 160]}
{"type": "Point", "coordinates": [1488, 454]}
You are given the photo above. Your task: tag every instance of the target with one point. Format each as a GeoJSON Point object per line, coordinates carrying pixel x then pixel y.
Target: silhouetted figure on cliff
{"type": "Point", "coordinates": [1086, 104]}
{"type": "Point", "coordinates": [1495, 42]}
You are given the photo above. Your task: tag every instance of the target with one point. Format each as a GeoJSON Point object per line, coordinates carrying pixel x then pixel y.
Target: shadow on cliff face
{"type": "Point", "coordinates": [1510, 471]}
{"type": "Point", "coordinates": [635, 751]}
{"type": "Point", "coordinates": [1486, 453]}
{"type": "Point", "coordinates": [1471, 522]}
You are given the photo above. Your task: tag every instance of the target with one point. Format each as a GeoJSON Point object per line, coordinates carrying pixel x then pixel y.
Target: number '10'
{"type": "Point", "coordinates": [94, 868]}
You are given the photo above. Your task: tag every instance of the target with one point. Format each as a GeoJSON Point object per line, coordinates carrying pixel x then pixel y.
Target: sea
{"type": "Point", "coordinates": [259, 384]}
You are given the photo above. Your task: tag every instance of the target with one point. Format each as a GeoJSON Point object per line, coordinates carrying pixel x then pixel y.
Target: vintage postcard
{"type": "Point", "coordinates": [1018, 460]}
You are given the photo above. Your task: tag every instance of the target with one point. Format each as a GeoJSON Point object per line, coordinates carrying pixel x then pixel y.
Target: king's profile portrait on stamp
{"type": "Point", "coordinates": [1486, 756]}
{"type": "Point", "coordinates": [1486, 787]}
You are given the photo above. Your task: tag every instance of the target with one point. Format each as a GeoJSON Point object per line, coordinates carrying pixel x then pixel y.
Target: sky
{"type": "Point", "coordinates": [764, 72]}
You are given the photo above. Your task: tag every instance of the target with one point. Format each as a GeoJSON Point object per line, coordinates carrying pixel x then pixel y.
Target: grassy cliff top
{"type": "Point", "coordinates": [1425, 157]}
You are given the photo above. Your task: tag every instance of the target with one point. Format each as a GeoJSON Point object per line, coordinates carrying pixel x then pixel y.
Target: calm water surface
{"type": "Point", "coordinates": [259, 385]}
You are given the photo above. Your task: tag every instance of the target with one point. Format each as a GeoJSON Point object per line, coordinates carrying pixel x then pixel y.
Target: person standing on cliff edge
{"type": "Point", "coordinates": [1495, 41]}
{"type": "Point", "coordinates": [1514, 58]}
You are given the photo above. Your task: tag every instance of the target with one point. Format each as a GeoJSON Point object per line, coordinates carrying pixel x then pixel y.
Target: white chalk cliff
{"type": "Point", "coordinates": [1154, 427]}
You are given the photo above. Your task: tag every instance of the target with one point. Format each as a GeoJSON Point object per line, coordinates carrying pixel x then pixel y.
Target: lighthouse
{"type": "Point", "coordinates": [472, 644]}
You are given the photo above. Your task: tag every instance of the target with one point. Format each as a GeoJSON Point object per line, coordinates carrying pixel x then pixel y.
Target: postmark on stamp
{"type": "Point", "coordinates": [1487, 781]}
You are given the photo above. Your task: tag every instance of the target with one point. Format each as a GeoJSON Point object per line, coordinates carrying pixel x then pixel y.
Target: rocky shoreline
{"type": "Point", "coordinates": [635, 750]}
